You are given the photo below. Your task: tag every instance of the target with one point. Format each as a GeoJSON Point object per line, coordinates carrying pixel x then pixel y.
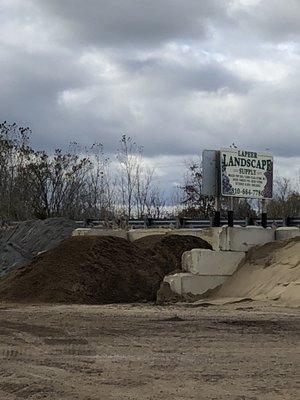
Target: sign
{"type": "Point", "coordinates": [246, 174]}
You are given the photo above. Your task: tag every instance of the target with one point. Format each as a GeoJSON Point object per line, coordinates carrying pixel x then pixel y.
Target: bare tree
{"type": "Point", "coordinates": [286, 200]}
{"type": "Point", "coordinates": [56, 183]}
{"type": "Point", "coordinates": [129, 158]}
{"type": "Point", "coordinates": [14, 151]}
{"type": "Point", "coordinates": [196, 204]}
{"type": "Point", "coordinates": [157, 203]}
{"type": "Point", "coordinates": [143, 190]}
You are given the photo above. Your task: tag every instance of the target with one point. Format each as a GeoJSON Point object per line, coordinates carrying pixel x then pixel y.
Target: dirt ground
{"type": "Point", "coordinates": [243, 351]}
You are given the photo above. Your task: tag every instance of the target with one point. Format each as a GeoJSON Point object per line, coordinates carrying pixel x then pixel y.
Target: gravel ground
{"type": "Point", "coordinates": [244, 351]}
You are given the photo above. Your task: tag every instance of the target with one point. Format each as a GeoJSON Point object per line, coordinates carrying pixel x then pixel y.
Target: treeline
{"type": "Point", "coordinates": [78, 183]}
{"type": "Point", "coordinates": [83, 183]}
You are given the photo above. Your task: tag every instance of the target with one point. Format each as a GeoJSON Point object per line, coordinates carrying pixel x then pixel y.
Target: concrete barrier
{"type": "Point", "coordinates": [185, 283]}
{"type": "Point", "coordinates": [100, 232]}
{"type": "Point", "coordinates": [224, 238]}
{"type": "Point", "coordinates": [135, 234]}
{"type": "Point", "coordinates": [287, 232]}
{"type": "Point", "coordinates": [208, 262]}
{"type": "Point", "coordinates": [198, 232]}
{"type": "Point", "coordinates": [211, 235]}
{"type": "Point", "coordinates": [242, 239]}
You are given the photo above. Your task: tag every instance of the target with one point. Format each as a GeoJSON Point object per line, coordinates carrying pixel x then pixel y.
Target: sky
{"type": "Point", "coordinates": [179, 76]}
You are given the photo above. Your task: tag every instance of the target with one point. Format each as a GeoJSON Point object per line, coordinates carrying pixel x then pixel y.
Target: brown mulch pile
{"type": "Point", "coordinates": [96, 270]}
{"type": "Point", "coordinates": [171, 247]}
{"type": "Point", "coordinates": [91, 270]}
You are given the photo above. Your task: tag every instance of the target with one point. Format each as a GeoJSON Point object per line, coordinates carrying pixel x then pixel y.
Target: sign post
{"type": "Point", "coordinates": [217, 213]}
{"type": "Point", "coordinates": [211, 181]}
{"type": "Point", "coordinates": [264, 217]}
{"type": "Point", "coordinates": [230, 212]}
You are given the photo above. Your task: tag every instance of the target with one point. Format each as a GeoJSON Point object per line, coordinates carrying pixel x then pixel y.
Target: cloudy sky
{"type": "Point", "coordinates": [178, 75]}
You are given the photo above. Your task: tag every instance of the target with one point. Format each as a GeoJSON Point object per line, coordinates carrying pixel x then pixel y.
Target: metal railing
{"type": "Point", "coordinates": [182, 223]}
{"type": "Point", "coordinates": [186, 223]}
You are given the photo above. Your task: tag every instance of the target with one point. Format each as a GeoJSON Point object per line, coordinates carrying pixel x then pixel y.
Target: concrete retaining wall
{"type": "Point", "coordinates": [135, 234]}
{"type": "Point", "coordinates": [207, 269]}
{"type": "Point", "coordinates": [287, 233]}
{"type": "Point", "coordinates": [100, 232]}
{"type": "Point", "coordinates": [224, 238]}
{"type": "Point", "coordinates": [242, 239]}
{"type": "Point", "coordinates": [208, 262]}
{"type": "Point", "coordinates": [211, 235]}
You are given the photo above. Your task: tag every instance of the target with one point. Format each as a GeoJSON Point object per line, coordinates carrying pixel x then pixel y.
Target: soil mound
{"type": "Point", "coordinates": [90, 270]}
{"type": "Point", "coordinates": [171, 247]}
{"type": "Point", "coordinates": [21, 243]}
{"type": "Point", "coordinates": [269, 272]}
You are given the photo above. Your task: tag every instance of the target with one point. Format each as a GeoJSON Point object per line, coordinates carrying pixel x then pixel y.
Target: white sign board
{"type": "Point", "coordinates": [246, 174]}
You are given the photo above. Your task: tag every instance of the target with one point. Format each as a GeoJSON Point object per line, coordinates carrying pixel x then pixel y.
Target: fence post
{"type": "Point", "coordinates": [230, 213]}
{"type": "Point", "coordinates": [181, 222]}
{"type": "Point", "coordinates": [216, 221]}
{"type": "Point", "coordinates": [287, 221]}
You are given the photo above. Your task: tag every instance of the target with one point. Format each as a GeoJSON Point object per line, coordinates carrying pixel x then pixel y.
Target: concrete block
{"type": "Point", "coordinates": [135, 234]}
{"type": "Point", "coordinates": [185, 283]}
{"type": "Point", "coordinates": [243, 238]}
{"type": "Point", "coordinates": [208, 262]}
{"type": "Point", "coordinates": [287, 232]}
{"type": "Point", "coordinates": [100, 232]}
{"type": "Point", "coordinates": [212, 236]}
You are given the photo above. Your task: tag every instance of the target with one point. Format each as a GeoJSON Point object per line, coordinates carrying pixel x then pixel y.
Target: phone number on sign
{"type": "Point", "coordinates": [247, 192]}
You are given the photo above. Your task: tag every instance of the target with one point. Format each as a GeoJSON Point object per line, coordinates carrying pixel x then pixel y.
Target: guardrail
{"type": "Point", "coordinates": [183, 223]}
{"type": "Point", "coordinates": [186, 223]}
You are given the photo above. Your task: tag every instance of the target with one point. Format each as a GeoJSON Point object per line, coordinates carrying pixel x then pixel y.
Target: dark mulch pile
{"type": "Point", "coordinates": [91, 270]}
{"type": "Point", "coordinates": [97, 270]}
{"type": "Point", "coordinates": [171, 247]}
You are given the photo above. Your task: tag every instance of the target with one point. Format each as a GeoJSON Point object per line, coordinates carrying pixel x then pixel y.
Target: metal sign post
{"type": "Point", "coordinates": [230, 212]}
{"type": "Point", "coordinates": [211, 181]}
{"type": "Point", "coordinates": [264, 217]}
{"type": "Point", "coordinates": [217, 213]}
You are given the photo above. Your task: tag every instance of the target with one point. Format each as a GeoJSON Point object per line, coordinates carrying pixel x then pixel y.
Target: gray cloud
{"type": "Point", "coordinates": [180, 76]}
{"type": "Point", "coordinates": [275, 20]}
{"type": "Point", "coordinates": [131, 22]}
{"type": "Point", "coordinates": [173, 76]}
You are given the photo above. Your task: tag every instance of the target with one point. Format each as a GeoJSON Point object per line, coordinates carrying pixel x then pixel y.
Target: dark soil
{"type": "Point", "coordinates": [90, 270]}
{"type": "Point", "coordinates": [97, 270]}
{"type": "Point", "coordinates": [171, 247]}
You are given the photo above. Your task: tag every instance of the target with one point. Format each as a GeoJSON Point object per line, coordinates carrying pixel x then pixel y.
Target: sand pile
{"type": "Point", "coordinates": [19, 244]}
{"type": "Point", "coordinates": [171, 247]}
{"type": "Point", "coordinates": [269, 272]}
